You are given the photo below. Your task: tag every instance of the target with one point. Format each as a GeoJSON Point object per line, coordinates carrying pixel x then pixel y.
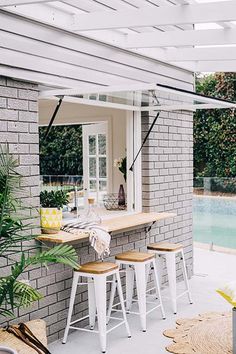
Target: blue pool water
{"type": "Point", "coordinates": [214, 220]}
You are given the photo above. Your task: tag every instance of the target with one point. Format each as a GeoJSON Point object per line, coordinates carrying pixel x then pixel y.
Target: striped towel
{"type": "Point", "coordinates": [98, 237]}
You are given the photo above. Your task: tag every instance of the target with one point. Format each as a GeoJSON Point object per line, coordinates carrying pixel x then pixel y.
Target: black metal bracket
{"type": "Point", "coordinates": [147, 135]}
{"type": "Point", "coordinates": [148, 229]}
{"type": "Point", "coordinates": [53, 118]}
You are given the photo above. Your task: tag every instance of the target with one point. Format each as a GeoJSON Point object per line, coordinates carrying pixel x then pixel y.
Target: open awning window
{"type": "Point", "coordinates": [140, 97]}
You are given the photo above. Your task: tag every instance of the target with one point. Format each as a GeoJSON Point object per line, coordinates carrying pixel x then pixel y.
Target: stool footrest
{"type": "Point", "coordinates": [134, 312]}
{"type": "Point", "coordinates": [84, 329]}
{"type": "Point", "coordinates": [121, 320]}
{"type": "Point", "coordinates": [116, 326]}
{"type": "Point", "coordinates": [79, 320]}
{"type": "Point", "coordinates": [182, 294]}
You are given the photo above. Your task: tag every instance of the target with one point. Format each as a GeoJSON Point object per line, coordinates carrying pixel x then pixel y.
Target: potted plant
{"type": "Point", "coordinates": [51, 210]}
{"type": "Point", "coordinates": [16, 236]}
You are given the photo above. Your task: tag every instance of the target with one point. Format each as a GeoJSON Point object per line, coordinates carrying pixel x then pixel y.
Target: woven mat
{"type": "Point", "coordinates": [209, 333]}
{"type": "Point", "coordinates": [38, 327]}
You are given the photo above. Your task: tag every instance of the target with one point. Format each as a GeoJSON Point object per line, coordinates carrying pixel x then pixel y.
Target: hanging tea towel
{"type": "Point", "coordinates": [99, 238]}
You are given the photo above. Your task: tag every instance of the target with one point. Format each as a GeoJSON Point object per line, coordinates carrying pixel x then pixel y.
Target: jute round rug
{"type": "Point", "coordinates": [209, 333]}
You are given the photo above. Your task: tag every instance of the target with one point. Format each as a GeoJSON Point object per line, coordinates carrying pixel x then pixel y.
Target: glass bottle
{"type": "Point", "coordinates": [90, 214]}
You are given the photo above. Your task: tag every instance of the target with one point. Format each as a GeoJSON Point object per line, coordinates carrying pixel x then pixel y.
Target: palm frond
{"type": "Point", "coordinates": [6, 313]}
{"type": "Point", "coordinates": [65, 254]}
{"type": "Point", "coordinates": [16, 294]}
{"type": "Point", "coordinates": [15, 232]}
{"type": "Point", "coordinates": [24, 294]}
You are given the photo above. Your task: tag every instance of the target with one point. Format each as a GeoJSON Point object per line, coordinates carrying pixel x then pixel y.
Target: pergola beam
{"type": "Point", "coordinates": [160, 16]}
{"type": "Point", "coordinates": [180, 38]}
{"type": "Point", "coordinates": [210, 66]}
{"type": "Point", "coordinates": [4, 3]}
{"type": "Point", "coordinates": [198, 54]}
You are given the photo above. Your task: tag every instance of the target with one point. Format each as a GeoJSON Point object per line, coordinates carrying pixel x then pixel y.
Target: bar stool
{"type": "Point", "coordinates": [96, 274]}
{"type": "Point", "coordinates": [169, 251]}
{"type": "Point", "coordinates": [138, 266]}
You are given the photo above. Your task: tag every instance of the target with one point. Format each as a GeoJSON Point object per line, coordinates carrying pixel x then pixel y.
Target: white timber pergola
{"type": "Point", "coordinates": [196, 35]}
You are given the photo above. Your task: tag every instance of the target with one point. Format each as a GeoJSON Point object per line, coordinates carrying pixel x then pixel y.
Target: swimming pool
{"type": "Point", "coordinates": [214, 220]}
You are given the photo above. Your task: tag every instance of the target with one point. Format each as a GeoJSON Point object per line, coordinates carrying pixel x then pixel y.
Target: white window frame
{"type": "Point", "coordinates": [133, 143]}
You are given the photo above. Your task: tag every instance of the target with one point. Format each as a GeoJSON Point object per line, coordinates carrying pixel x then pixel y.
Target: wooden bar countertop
{"type": "Point", "coordinates": [112, 225]}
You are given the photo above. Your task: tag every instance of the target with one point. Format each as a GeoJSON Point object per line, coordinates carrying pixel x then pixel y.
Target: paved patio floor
{"type": "Point", "coordinates": [211, 270]}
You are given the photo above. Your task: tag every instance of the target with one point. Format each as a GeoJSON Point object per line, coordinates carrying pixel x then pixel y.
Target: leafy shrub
{"type": "Point", "coordinates": [62, 152]}
{"type": "Point", "coordinates": [215, 130]}
{"type": "Point", "coordinates": [53, 199]}
{"type": "Point", "coordinates": [16, 234]}
{"type": "Point", "coordinates": [223, 185]}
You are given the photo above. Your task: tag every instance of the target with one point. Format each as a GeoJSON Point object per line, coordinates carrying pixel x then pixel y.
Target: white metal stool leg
{"type": "Point", "coordinates": [186, 277]}
{"type": "Point", "coordinates": [100, 296]}
{"type": "Point", "coordinates": [156, 280]}
{"type": "Point", "coordinates": [140, 275]}
{"type": "Point", "coordinates": [112, 297]}
{"type": "Point", "coordinates": [91, 303]}
{"type": "Point", "coordinates": [129, 286]}
{"type": "Point", "coordinates": [119, 288]}
{"type": "Point", "coordinates": [159, 259]}
{"type": "Point", "coordinates": [72, 300]}
{"type": "Point", "coordinates": [147, 271]}
{"type": "Point", "coordinates": [171, 270]}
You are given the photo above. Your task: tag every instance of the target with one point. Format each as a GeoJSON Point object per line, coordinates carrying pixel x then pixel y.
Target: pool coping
{"type": "Point", "coordinates": [232, 197]}
{"type": "Point", "coordinates": [214, 248]}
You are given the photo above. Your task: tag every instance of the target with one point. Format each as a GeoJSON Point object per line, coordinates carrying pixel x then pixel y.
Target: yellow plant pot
{"type": "Point", "coordinates": [51, 220]}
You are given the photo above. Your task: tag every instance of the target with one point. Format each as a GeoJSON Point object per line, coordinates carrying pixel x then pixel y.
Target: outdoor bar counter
{"type": "Point", "coordinates": [128, 232]}
{"type": "Point", "coordinates": [114, 225]}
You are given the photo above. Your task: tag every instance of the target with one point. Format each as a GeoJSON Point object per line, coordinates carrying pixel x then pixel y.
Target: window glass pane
{"type": "Point", "coordinates": [92, 167]}
{"type": "Point", "coordinates": [102, 144]}
{"type": "Point", "coordinates": [103, 186]}
{"type": "Point", "coordinates": [92, 185]}
{"type": "Point", "coordinates": [102, 167]}
{"type": "Point", "coordinates": [102, 98]}
{"type": "Point", "coordinates": [92, 144]}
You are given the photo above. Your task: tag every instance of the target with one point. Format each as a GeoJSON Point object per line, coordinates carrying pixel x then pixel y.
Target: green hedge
{"type": "Point", "coordinates": [215, 130]}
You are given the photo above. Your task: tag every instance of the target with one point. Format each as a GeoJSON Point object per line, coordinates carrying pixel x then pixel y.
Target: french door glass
{"type": "Point", "coordinates": [95, 161]}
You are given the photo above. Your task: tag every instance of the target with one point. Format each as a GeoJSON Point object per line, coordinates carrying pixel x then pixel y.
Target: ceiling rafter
{"type": "Point", "coordinates": [198, 54]}
{"type": "Point", "coordinates": [180, 38]}
{"type": "Point", "coordinates": [221, 24]}
{"type": "Point", "coordinates": [6, 3]}
{"type": "Point", "coordinates": [166, 15]}
{"type": "Point", "coordinates": [210, 66]}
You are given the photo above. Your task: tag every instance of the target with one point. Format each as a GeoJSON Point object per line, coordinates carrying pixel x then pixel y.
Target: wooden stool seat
{"type": "Point", "coordinates": [165, 246]}
{"type": "Point", "coordinates": [132, 256]}
{"type": "Point", "coordinates": [97, 267]}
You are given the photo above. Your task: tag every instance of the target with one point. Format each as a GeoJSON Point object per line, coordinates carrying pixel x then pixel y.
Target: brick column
{"type": "Point", "coordinates": [168, 176]}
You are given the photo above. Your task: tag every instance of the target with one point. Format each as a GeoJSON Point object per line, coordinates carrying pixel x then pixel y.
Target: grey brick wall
{"type": "Point", "coordinates": [167, 186]}
{"type": "Point", "coordinates": [168, 178]}
{"type": "Point", "coordinates": [19, 127]}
